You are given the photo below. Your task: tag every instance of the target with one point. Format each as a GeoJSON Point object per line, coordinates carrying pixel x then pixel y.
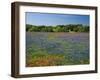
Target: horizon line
{"type": "Point", "coordinates": [57, 24]}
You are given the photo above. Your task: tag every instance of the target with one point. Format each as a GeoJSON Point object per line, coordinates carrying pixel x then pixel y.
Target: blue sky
{"type": "Point", "coordinates": [55, 19]}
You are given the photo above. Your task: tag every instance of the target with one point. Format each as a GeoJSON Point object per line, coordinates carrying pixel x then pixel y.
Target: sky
{"type": "Point", "coordinates": [55, 19]}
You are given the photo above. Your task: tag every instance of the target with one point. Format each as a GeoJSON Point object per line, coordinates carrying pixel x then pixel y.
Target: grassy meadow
{"type": "Point", "coordinates": [57, 48]}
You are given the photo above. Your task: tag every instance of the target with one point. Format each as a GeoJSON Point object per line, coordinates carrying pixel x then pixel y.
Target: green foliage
{"type": "Point", "coordinates": [58, 28]}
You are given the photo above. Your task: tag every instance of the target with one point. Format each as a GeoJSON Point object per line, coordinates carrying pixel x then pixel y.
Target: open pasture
{"type": "Point", "coordinates": [56, 48]}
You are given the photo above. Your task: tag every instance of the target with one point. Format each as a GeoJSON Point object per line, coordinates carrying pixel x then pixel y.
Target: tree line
{"type": "Point", "coordinates": [57, 28]}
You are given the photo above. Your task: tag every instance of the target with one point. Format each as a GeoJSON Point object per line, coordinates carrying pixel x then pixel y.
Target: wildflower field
{"type": "Point", "coordinates": [57, 48]}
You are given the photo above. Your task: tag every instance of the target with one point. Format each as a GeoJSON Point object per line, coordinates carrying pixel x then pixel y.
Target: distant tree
{"type": "Point", "coordinates": [57, 28]}
{"type": "Point", "coordinates": [28, 26]}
